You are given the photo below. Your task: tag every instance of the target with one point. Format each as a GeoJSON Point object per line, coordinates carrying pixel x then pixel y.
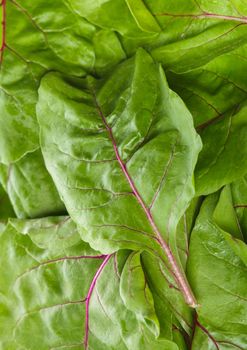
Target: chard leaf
{"type": "Point", "coordinates": [225, 215]}
{"type": "Point", "coordinates": [6, 209]}
{"type": "Point", "coordinates": [135, 292]}
{"type": "Point", "coordinates": [30, 187]}
{"type": "Point", "coordinates": [57, 317]}
{"type": "Point", "coordinates": [213, 89]}
{"type": "Point", "coordinates": [188, 54]}
{"type": "Point", "coordinates": [184, 229]}
{"type": "Point", "coordinates": [168, 300]}
{"type": "Point", "coordinates": [129, 18]}
{"type": "Point", "coordinates": [239, 195]}
{"type": "Point", "coordinates": [218, 276]}
{"type": "Point", "coordinates": [228, 162]}
{"type": "Point", "coordinates": [24, 62]}
{"type": "Point", "coordinates": [132, 149]}
{"type": "Point", "coordinates": [142, 16]}
{"type": "Point", "coordinates": [216, 94]}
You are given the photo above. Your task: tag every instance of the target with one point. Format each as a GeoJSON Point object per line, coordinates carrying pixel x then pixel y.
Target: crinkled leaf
{"type": "Point", "coordinates": [30, 187]}
{"type": "Point", "coordinates": [36, 43]}
{"type": "Point", "coordinates": [223, 157]}
{"type": "Point", "coordinates": [213, 89]}
{"type": "Point", "coordinates": [218, 276]}
{"type": "Point", "coordinates": [239, 195]}
{"type": "Point", "coordinates": [151, 130]}
{"type": "Point", "coordinates": [215, 95]}
{"type": "Point", "coordinates": [6, 209]}
{"type": "Point", "coordinates": [135, 292]}
{"type": "Point", "coordinates": [225, 215]}
{"type": "Point", "coordinates": [55, 317]}
{"type": "Point", "coordinates": [168, 299]}
{"type": "Point", "coordinates": [130, 18]}
{"type": "Point", "coordinates": [184, 229]}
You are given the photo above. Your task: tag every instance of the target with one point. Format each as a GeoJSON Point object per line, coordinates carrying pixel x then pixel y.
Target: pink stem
{"type": "Point", "coordinates": [214, 341]}
{"type": "Point", "coordinates": [182, 282]}
{"type": "Point", "coordinates": [242, 19]}
{"type": "Point", "coordinates": [3, 45]}
{"type": "Point", "coordinates": [89, 294]}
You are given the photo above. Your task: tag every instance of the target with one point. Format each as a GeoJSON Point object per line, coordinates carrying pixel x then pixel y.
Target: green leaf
{"type": "Point", "coordinates": [6, 209]}
{"type": "Point", "coordinates": [24, 62]}
{"type": "Point", "coordinates": [168, 299]}
{"type": "Point", "coordinates": [225, 215]}
{"type": "Point", "coordinates": [213, 89]}
{"type": "Point", "coordinates": [239, 195]}
{"type": "Point", "coordinates": [184, 229]}
{"type": "Point", "coordinates": [55, 316]}
{"type": "Point", "coordinates": [218, 276]}
{"type": "Point", "coordinates": [130, 18]}
{"type": "Point", "coordinates": [143, 17]}
{"type": "Point", "coordinates": [30, 187]}
{"type": "Point", "coordinates": [108, 131]}
{"type": "Point", "coordinates": [135, 292]}
{"type": "Point", "coordinates": [227, 137]}
{"type": "Point", "coordinates": [215, 95]}
{"type": "Point", "coordinates": [165, 143]}
{"type": "Point", "coordinates": [190, 53]}
{"type": "Point", "coordinates": [54, 233]}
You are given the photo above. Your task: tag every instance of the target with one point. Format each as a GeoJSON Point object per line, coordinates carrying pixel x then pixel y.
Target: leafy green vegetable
{"type": "Point", "coordinates": [30, 189]}
{"type": "Point", "coordinates": [218, 276]}
{"type": "Point", "coordinates": [123, 188]}
{"type": "Point", "coordinates": [113, 149]}
{"type": "Point", "coordinates": [64, 274]}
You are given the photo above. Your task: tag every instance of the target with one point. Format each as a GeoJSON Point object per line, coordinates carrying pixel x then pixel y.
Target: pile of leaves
{"type": "Point", "coordinates": [123, 162]}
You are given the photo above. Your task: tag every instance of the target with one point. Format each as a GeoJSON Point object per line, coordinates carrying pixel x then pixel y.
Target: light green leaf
{"type": "Point", "coordinates": [218, 276]}
{"type": "Point", "coordinates": [188, 54]}
{"type": "Point", "coordinates": [116, 16]}
{"type": "Point", "coordinates": [168, 299]}
{"type": "Point", "coordinates": [215, 95]}
{"type": "Point", "coordinates": [44, 292]}
{"type": "Point", "coordinates": [239, 195]}
{"type": "Point", "coordinates": [36, 43]}
{"type": "Point", "coordinates": [184, 229]}
{"type": "Point", "coordinates": [6, 209]}
{"type": "Point", "coordinates": [228, 162]}
{"type": "Point", "coordinates": [30, 187]}
{"type": "Point", "coordinates": [225, 215]}
{"type": "Point", "coordinates": [107, 131]}
{"type": "Point", "coordinates": [135, 292]}
{"type": "Point", "coordinates": [142, 16]}
{"type": "Point", "coordinates": [156, 135]}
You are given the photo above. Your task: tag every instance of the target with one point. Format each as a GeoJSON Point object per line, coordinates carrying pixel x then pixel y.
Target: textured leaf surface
{"type": "Point", "coordinates": [23, 63]}
{"type": "Point", "coordinates": [140, 136]}
{"type": "Point", "coordinates": [121, 149]}
{"type": "Point", "coordinates": [63, 271]}
{"type": "Point", "coordinates": [215, 95]}
{"type": "Point", "coordinates": [218, 276]}
{"type": "Point", "coordinates": [6, 209]}
{"type": "Point", "coordinates": [134, 127]}
{"type": "Point", "coordinates": [228, 161]}
{"type": "Point", "coordinates": [136, 294]}
{"type": "Point", "coordinates": [30, 187]}
{"type": "Point", "coordinates": [239, 196]}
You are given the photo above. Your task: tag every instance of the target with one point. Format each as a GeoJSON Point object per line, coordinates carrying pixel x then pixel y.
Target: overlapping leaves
{"type": "Point", "coordinates": [113, 144]}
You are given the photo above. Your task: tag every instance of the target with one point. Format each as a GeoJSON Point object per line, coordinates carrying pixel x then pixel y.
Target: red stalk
{"type": "Point", "coordinates": [89, 294]}
{"type": "Point", "coordinates": [181, 280]}
{"type": "Point", "coordinates": [3, 45]}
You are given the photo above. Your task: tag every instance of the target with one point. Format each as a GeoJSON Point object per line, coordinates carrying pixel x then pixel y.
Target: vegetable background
{"type": "Point", "coordinates": [123, 164]}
